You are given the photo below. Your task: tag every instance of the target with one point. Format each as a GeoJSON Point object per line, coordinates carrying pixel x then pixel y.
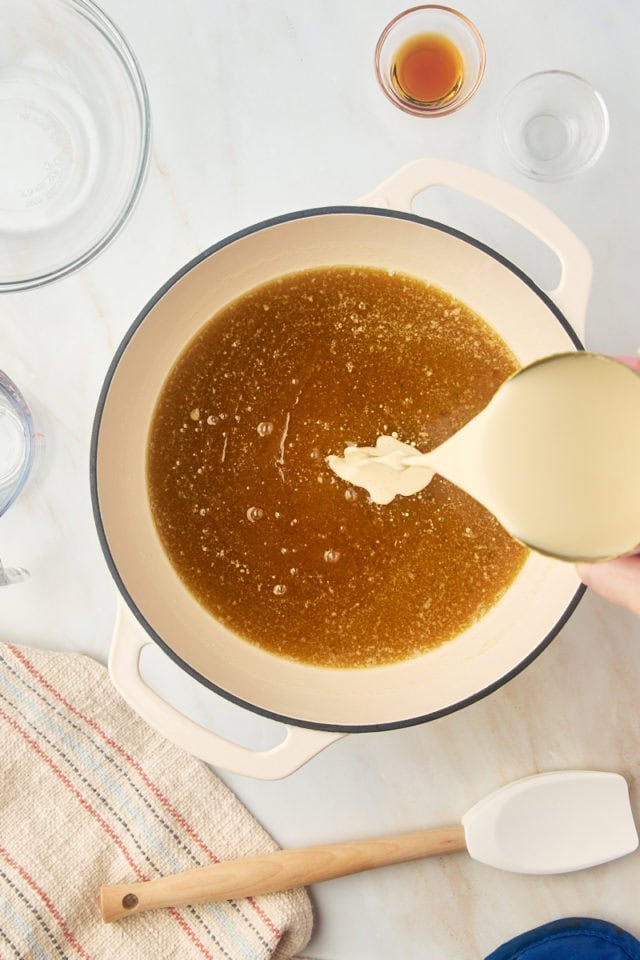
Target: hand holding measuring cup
{"type": "Point", "coordinates": [617, 581]}
{"type": "Point", "coordinates": [18, 442]}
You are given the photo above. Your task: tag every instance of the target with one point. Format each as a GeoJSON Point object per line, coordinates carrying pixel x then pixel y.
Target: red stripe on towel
{"type": "Point", "coordinates": [69, 935]}
{"type": "Point", "coordinates": [139, 770]}
{"type": "Point", "coordinates": [74, 790]}
{"type": "Point", "coordinates": [105, 826]}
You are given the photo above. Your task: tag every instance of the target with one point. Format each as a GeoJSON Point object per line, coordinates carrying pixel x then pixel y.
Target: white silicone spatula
{"type": "Point", "coordinates": [548, 823]}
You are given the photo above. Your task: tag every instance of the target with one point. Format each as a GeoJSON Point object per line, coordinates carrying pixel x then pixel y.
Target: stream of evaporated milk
{"type": "Point", "coordinates": [555, 457]}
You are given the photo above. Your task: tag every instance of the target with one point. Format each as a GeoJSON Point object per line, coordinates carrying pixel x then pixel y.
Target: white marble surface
{"type": "Point", "coordinates": [265, 106]}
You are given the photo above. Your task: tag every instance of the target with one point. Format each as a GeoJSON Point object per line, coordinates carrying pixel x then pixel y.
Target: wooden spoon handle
{"type": "Point", "coordinates": [282, 870]}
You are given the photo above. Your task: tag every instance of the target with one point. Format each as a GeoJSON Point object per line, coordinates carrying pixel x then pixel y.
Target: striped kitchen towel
{"type": "Point", "coordinates": [89, 794]}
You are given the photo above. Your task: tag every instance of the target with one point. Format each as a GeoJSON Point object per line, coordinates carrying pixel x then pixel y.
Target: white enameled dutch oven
{"type": "Point", "coordinates": [318, 705]}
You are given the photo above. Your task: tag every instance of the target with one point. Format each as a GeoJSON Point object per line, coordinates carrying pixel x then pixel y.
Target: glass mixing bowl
{"type": "Point", "coordinates": [75, 135]}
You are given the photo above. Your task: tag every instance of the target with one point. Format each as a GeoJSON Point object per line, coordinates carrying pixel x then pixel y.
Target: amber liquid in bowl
{"type": "Point", "coordinates": [427, 69]}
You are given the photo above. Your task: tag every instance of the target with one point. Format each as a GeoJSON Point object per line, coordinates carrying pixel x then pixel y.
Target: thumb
{"type": "Point", "coordinates": [617, 580]}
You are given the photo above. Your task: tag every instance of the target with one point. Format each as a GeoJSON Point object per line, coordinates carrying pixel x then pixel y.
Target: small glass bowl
{"type": "Point", "coordinates": [17, 442]}
{"type": "Point", "coordinates": [431, 19]}
{"type": "Point", "coordinates": [553, 125]}
{"type": "Point", "coordinates": [75, 135]}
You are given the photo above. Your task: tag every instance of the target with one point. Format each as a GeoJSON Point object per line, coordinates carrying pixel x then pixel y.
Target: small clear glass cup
{"type": "Point", "coordinates": [431, 19]}
{"type": "Point", "coordinates": [553, 125]}
{"type": "Point", "coordinates": [19, 443]}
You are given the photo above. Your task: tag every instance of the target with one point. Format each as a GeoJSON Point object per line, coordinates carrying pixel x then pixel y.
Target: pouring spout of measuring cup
{"type": "Point", "coordinates": [460, 459]}
{"type": "Point", "coordinates": [550, 456]}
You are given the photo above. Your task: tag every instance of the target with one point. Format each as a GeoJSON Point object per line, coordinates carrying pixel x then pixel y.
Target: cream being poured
{"type": "Point", "coordinates": [390, 469]}
{"type": "Point", "coordinates": [555, 456]}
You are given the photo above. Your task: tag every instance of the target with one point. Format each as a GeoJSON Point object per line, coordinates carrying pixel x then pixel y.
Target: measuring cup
{"type": "Point", "coordinates": [18, 443]}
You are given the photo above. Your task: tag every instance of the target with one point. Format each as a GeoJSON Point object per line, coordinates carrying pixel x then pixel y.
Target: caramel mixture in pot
{"type": "Point", "coordinates": [260, 530]}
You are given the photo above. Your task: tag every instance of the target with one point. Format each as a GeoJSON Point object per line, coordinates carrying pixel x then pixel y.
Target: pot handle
{"type": "Point", "coordinates": [299, 745]}
{"type": "Point", "coordinates": [572, 293]}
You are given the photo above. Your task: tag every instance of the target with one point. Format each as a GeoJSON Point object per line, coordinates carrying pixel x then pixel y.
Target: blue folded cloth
{"type": "Point", "coordinates": [576, 938]}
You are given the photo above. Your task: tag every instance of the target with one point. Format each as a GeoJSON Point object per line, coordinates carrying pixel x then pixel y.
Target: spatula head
{"type": "Point", "coordinates": [553, 823]}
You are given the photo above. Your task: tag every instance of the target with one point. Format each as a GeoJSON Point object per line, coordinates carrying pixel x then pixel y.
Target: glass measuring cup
{"type": "Point", "coordinates": [18, 444]}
